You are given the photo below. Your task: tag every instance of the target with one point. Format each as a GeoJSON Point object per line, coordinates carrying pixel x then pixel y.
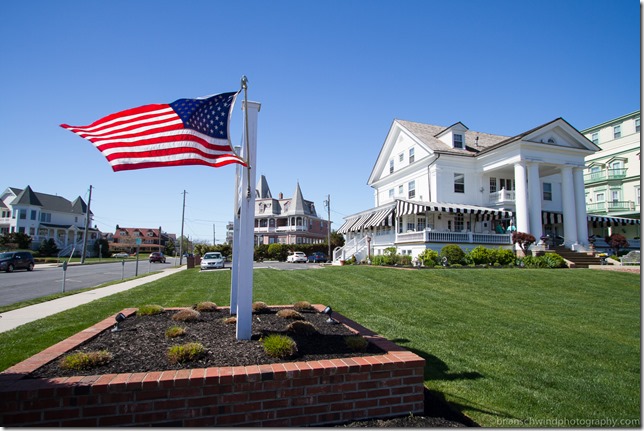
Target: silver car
{"type": "Point", "coordinates": [212, 259]}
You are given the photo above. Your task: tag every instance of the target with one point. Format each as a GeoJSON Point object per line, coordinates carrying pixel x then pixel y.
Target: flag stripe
{"type": "Point", "coordinates": [169, 138]}
{"type": "Point", "coordinates": [126, 166]}
{"type": "Point", "coordinates": [188, 131]}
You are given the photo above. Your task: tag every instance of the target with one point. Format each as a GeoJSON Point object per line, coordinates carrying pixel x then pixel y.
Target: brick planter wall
{"type": "Point", "coordinates": [285, 394]}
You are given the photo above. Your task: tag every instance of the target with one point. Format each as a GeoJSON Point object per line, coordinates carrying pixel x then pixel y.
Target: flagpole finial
{"type": "Point", "coordinates": [244, 82]}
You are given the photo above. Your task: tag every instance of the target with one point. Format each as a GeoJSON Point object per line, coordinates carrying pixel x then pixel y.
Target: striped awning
{"type": "Point", "coordinates": [373, 218]}
{"type": "Point", "coordinates": [548, 217]}
{"type": "Point", "coordinates": [347, 224]}
{"type": "Point", "coordinates": [601, 221]}
{"type": "Point", "coordinates": [381, 218]}
{"type": "Point", "coordinates": [406, 207]}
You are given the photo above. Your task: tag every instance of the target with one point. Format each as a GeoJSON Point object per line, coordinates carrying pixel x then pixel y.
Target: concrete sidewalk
{"type": "Point", "coordinates": [14, 318]}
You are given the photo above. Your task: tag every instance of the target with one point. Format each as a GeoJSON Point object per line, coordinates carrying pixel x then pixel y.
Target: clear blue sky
{"type": "Point", "coordinates": [331, 76]}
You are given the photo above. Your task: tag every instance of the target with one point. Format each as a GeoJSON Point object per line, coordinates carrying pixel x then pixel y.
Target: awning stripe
{"type": "Point", "coordinates": [406, 208]}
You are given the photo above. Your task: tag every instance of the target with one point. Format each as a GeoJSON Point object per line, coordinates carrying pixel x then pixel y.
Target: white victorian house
{"type": "Point", "coordinates": [435, 185]}
{"type": "Point", "coordinates": [43, 216]}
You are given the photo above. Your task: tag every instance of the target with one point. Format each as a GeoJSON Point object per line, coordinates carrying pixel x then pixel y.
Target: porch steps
{"type": "Point", "coordinates": [580, 260]}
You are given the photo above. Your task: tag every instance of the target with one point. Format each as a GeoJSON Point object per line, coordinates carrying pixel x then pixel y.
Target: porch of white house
{"type": "Point", "coordinates": [414, 227]}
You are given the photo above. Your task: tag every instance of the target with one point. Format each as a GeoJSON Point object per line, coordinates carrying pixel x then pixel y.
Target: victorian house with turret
{"type": "Point", "coordinates": [290, 220]}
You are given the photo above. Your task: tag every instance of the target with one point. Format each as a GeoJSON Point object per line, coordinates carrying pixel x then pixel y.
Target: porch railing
{"type": "Point", "coordinates": [608, 206]}
{"type": "Point", "coordinates": [454, 237]}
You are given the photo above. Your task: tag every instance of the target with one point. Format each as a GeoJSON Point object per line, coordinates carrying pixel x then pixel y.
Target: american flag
{"type": "Point", "coordinates": [184, 132]}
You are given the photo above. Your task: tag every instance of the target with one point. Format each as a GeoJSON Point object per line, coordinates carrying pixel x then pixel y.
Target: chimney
{"type": "Point", "coordinates": [281, 195]}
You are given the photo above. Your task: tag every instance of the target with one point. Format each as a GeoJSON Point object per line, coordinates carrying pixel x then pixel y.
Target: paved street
{"type": "Point", "coordinates": [47, 279]}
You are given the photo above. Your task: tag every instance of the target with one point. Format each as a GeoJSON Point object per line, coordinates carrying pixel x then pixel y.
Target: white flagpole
{"type": "Point", "coordinates": [247, 223]}
{"type": "Point", "coordinates": [235, 264]}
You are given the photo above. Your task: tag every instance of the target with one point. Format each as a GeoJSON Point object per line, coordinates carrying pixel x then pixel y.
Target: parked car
{"type": "Point", "coordinates": [212, 259]}
{"type": "Point", "coordinates": [157, 257]}
{"type": "Point", "coordinates": [318, 257]}
{"type": "Point", "coordinates": [297, 256]}
{"type": "Point", "coordinates": [121, 255]}
{"type": "Point", "coordinates": [11, 260]}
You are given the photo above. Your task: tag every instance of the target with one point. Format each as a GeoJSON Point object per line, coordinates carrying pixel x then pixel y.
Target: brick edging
{"type": "Point", "coordinates": [284, 394]}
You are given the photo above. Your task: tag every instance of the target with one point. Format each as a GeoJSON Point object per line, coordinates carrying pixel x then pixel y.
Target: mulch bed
{"type": "Point", "coordinates": [140, 346]}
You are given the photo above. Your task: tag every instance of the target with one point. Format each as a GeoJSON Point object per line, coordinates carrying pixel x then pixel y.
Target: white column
{"type": "Point", "coordinates": [246, 228]}
{"type": "Point", "coordinates": [569, 213]}
{"type": "Point", "coordinates": [534, 196]}
{"type": "Point", "coordinates": [521, 198]}
{"type": "Point", "coordinates": [580, 205]}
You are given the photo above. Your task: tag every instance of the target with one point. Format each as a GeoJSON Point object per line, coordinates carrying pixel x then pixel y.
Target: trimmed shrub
{"type": "Point", "coordinates": [85, 360]}
{"type": "Point", "coordinates": [481, 256]}
{"type": "Point", "coordinates": [175, 331]}
{"type": "Point", "coordinates": [149, 310]}
{"type": "Point", "coordinates": [230, 320]}
{"type": "Point", "coordinates": [206, 306]}
{"type": "Point", "coordinates": [290, 314]}
{"type": "Point", "coordinates": [429, 257]}
{"type": "Point", "coordinates": [186, 315]}
{"type": "Point", "coordinates": [553, 260]}
{"type": "Point", "coordinates": [301, 327]}
{"type": "Point", "coordinates": [260, 307]}
{"type": "Point", "coordinates": [303, 306]}
{"type": "Point", "coordinates": [503, 256]}
{"type": "Point", "coordinates": [279, 346]}
{"type": "Point", "coordinates": [453, 253]}
{"type": "Point", "coordinates": [185, 352]}
{"type": "Point", "coordinates": [356, 343]}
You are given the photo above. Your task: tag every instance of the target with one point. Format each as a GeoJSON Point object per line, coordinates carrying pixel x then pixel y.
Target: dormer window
{"type": "Point", "coordinates": [411, 155]}
{"type": "Point", "coordinates": [458, 140]}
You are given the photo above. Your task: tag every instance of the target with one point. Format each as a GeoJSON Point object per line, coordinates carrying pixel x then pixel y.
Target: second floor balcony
{"type": "Point", "coordinates": [610, 206]}
{"type": "Point", "coordinates": [605, 175]}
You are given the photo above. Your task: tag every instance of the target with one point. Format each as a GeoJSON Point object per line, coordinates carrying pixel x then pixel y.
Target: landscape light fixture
{"type": "Point", "coordinates": [119, 318]}
{"type": "Point", "coordinates": [328, 310]}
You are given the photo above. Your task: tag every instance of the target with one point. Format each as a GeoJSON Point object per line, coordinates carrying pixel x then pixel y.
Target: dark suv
{"type": "Point", "coordinates": [11, 260]}
{"type": "Point", "coordinates": [157, 257]}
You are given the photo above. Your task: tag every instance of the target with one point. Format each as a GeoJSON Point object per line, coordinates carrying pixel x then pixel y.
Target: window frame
{"type": "Point", "coordinates": [547, 191]}
{"type": "Point", "coordinates": [461, 141]}
{"type": "Point", "coordinates": [459, 182]}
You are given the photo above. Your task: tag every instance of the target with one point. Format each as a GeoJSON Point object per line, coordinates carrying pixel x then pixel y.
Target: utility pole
{"type": "Point", "coordinates": [89, 201]}
{"type": "Point", "coordinates": [327, 204]}
{"type": "Point", "coordinates": [183, 213]}
{"type": "Point", "coordinates": [214, 241]}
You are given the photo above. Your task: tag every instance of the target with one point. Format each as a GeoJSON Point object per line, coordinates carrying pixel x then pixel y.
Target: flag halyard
{"type": "Point", "coordinates": [184, 132]}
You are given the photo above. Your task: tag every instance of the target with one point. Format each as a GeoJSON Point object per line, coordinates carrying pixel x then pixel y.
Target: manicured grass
{"type": "Point", "coordinates": [508, 347]}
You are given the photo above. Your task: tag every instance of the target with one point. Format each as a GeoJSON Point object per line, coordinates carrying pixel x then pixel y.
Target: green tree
{"type": "Point", "coordinates": [48, 248]}
{"type": "Point", "coordinates": [15, 240]}
{"type": "Point", "coordinates": [102, 248]}
{"type": "Point", "coordinates": [169, 248]}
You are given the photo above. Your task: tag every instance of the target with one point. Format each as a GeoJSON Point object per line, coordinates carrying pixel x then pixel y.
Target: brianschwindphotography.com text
{"type": "Point", "coordinates": [568, 422]}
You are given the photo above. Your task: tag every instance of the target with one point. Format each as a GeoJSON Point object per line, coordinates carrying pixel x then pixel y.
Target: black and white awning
{"type": "Point", "coordinates": [603, 221]}
{"type": "Point", "coordinates": [548, 217]}
{"type": "Point", "coordinates": [368, 219]}
{"type": "Point", "coordinates": [405, 208]}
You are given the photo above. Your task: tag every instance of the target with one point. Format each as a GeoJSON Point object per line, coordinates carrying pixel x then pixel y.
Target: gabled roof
{"type": "Point", "coordinates": [48, 202]}
{"type": "Point", "coordinates": [27, 197]}
{"type": "Point", "coordinates": [576, 134]}
{"type": "Point", "coordinates": [475, 141]}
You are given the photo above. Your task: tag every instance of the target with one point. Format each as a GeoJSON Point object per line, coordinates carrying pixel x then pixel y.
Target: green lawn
{"type": "Point", "coordinates": [508, 347]}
